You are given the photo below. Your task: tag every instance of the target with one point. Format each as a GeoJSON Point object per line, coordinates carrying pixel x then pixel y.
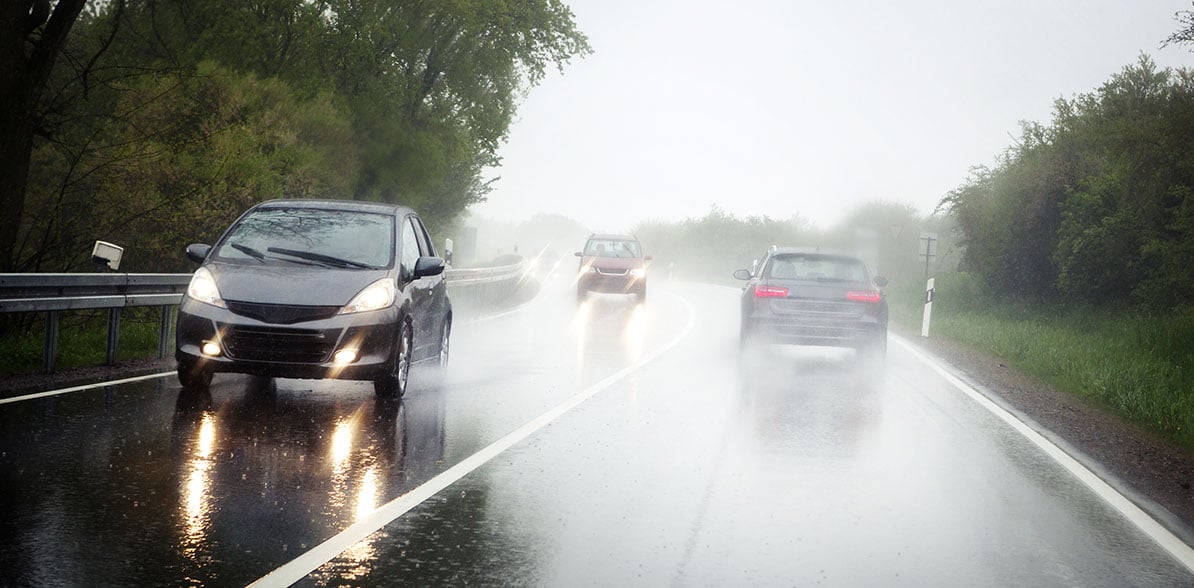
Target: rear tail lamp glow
{"type": "Point", "coordinates": [863, 296]}
{"type": "Point", "coordinates": [762, 291]}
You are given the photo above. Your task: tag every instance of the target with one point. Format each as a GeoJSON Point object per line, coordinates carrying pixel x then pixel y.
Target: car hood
{"type": "Point", "coordinates": [291, 284]}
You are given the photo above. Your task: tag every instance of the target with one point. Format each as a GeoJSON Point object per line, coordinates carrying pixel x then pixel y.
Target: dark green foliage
{"type": "Point", "coordinates": [165, 120]}
{"type": "Point", "coordinates": [1095, 207]}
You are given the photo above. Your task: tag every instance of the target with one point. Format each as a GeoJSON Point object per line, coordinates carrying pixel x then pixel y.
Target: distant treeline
{"type": "Point", "coordinates": [1095, 208]}
{"type": "Point", "coordinates": [887, 234]}
{"type": "Point", "coordinates": [161, 121]}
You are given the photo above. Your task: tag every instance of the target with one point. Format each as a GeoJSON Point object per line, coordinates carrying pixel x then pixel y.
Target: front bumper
{"type": "Point", "coordinates": [611, 284]}
{"type": "Point", "coordinates": [302, 350]}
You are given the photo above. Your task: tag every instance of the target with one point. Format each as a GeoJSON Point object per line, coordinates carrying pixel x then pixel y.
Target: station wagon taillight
{"type": "Point", "coordinates": [762, 291]}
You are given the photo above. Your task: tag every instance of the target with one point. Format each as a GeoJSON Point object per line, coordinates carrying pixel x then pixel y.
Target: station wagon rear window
{"type": "Point", "coordinates": [815, 268]}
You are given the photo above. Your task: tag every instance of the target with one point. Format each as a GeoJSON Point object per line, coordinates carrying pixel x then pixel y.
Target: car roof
{"type": "Point", "coordinates": [775, 250]}
{"type": "Point", "coordinates": [613, 237]}
{"type": "Point", "coordinates": [354, 205]}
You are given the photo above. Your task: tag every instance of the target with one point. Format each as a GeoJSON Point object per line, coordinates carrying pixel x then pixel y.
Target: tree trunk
{"type": "Point", "coordinates": [31, 37]}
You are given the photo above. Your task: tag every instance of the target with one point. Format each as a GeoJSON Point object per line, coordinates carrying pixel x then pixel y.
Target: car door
{"type": "Point", "coordinates": [420, 290]}
{"type": "Point", "coordinates": [440, 307]}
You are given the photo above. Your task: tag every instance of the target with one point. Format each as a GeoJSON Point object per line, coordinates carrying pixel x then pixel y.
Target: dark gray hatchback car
{"type": "Point", "coordinates": [812, 298]}
{"type": "Point", "coordinates": [316, 289]}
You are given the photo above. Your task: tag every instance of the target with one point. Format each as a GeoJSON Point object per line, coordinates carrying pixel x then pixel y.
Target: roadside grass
{"type": "Point", "coordinates": [82, 340]}
{"type": "Point", "coordinates": [1139, 366]}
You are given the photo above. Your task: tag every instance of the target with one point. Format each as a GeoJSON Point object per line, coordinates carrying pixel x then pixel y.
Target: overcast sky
{"type": "Point", "coordinates": [783, 107]}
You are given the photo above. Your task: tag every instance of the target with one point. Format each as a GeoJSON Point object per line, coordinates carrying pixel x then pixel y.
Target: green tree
{"type": "Point", "coordinates": [32, 35]}
{"type": "Point", "coordinates": [1091, 207]}
{"type": "Point", "coordinates": [198, 109]}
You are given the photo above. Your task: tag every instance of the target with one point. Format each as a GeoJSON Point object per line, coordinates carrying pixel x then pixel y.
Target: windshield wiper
{"type": "Point", "coordinates": [319, 257]}
{"type": "Point", "coordinates": [255, 254]}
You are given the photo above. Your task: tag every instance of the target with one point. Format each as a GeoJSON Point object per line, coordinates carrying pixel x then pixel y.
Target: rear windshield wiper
{"type": "Point", "coordinates": [321, 258]}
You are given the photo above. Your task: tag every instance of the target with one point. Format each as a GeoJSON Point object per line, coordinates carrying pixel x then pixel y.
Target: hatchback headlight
{"type": "Point", "coordinates": [638, 272]}
{"type": "Point", "coordinates": [375, 296]}
{"type": "Point", "coordinates": [203, 288]}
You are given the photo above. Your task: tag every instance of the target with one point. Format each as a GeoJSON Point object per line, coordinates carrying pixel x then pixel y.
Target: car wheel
{"type": "Point", "coordinates": [445, 335]}
{"type": "Point", "coordinates": [641, 294]}
{"type": "Point", "coordinates": [875, 350]}
{"type": "Point", "coordinates": [581, 295]}
{"type": "Point", "coordinates": [192, 375]}
{"type": "Point", "coordinates": [747, 338]}
{"type": "Point", "coordinates": [392, 384]}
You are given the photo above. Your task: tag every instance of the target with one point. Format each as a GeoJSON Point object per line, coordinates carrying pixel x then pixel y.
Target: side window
{"type": "Point", "coordinates": [425, 244]}
{"type": "Point", "coordinates": [410, 250]}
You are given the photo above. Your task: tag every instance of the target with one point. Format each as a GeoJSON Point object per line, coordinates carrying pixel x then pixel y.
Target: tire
{"type": "Point", "coordinates": [581, 296]}
{"type": "Point", "coordinates": [192, 375]}
{"type": "Point", "coordinates": [747, 338]}
{"type": "Point", "coordinates": [641, 294]}
{"type": "Point", "coordinates": [393, 383]}
{"type": "Point", "coordinates": [445, 336]}
{"type": "Point", "coordinates": [875, 350]}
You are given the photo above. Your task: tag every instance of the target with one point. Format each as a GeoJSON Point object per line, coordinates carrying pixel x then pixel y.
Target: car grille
{"type": "Point", "coordinates": [612, 272]}
{"type": "Point", "coordinates": [281, 345]}
{"type": "Point", "coordinates": [281, 314]}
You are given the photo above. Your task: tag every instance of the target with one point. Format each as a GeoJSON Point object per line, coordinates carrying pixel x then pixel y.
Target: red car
{"type": "Point", "coordinates": [613, 264]}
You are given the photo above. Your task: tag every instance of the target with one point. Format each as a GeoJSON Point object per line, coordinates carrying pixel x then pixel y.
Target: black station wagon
{"type": "Point", "coordinates": [804, 297]}
{"type": "Point", "coordinates": [316, 289]}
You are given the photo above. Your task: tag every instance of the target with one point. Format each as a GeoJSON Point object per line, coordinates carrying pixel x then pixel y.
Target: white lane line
{"type": "Point", "coordinates": [1147, 524]}
{"type": "Point", "coordinates": [300, 567]}
{"type": "Point", "coordinates": [518, 308]}
{"type": "Point", "coordinates": [82, 388]}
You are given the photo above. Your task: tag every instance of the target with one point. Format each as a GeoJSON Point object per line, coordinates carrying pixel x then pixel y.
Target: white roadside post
{"type": "Point", "coordinates": [924, 325]}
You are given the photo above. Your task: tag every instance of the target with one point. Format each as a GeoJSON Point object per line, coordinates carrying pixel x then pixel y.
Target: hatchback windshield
{"type": "Point", "coordinates": [340, 238]}
{"type": "Point", "coordinates": [817, 268]}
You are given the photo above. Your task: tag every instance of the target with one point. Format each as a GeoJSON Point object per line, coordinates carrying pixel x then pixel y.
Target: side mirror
{"type": "Point", "coordinates": [742, 274]}
{"type": "Point", "coordinates": [197, 252]}
{"type": "Point", "coordinates": [649, 258]}
{"type": "Point", "coordinates": [879, 281]}
{"type": "Point", "coordinates": [579, 254]}
{"type": "Point", "coordinates": [429, 266]}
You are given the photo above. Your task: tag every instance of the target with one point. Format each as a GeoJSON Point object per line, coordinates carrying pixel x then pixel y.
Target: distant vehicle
{"type": "Point", "coordinates": [316, 289]}
{"type": "Point", "coordinates": [806, 297]}
{"type": "Point", "coordinates": [612, 264]}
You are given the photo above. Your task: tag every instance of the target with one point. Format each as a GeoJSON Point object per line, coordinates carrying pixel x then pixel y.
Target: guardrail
{"type": "Point", "coordinates": [54, 294]}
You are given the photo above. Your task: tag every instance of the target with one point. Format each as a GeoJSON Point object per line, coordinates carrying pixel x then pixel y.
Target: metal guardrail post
{"type": "Point", "coordinates": [49, 355]}
{"type": "Point", "coordinates": [113, 336]}
{"type": "Point", "coordinates": [164, 331]}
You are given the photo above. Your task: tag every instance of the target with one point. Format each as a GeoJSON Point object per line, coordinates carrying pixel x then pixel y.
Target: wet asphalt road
{"type": "Point", "coordinates": [655, 456]}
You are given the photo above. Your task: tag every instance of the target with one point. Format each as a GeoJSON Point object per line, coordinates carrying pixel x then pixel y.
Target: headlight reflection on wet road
{"type": "Point", "coordinates": [196, 492]}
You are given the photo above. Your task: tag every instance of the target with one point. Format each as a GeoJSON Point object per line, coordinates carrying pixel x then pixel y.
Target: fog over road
{"type": "Point", "coordinates": [607, 444]}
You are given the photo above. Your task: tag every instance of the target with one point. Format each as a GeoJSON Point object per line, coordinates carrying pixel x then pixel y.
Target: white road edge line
{"type": "Point", "coordinates": [82, 388]}
{"type": "Point", "coordinates": [1147, 524]}
{"type": "Point", "coordinates": [34, 396]}
{"type": "Point", "coordinates": [308, 562]}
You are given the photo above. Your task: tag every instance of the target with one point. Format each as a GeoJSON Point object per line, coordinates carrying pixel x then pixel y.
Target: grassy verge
{"type": "Point", "coordinates": [1139, 366]}
{"type": "Point", "coordinates": [82, 340]}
